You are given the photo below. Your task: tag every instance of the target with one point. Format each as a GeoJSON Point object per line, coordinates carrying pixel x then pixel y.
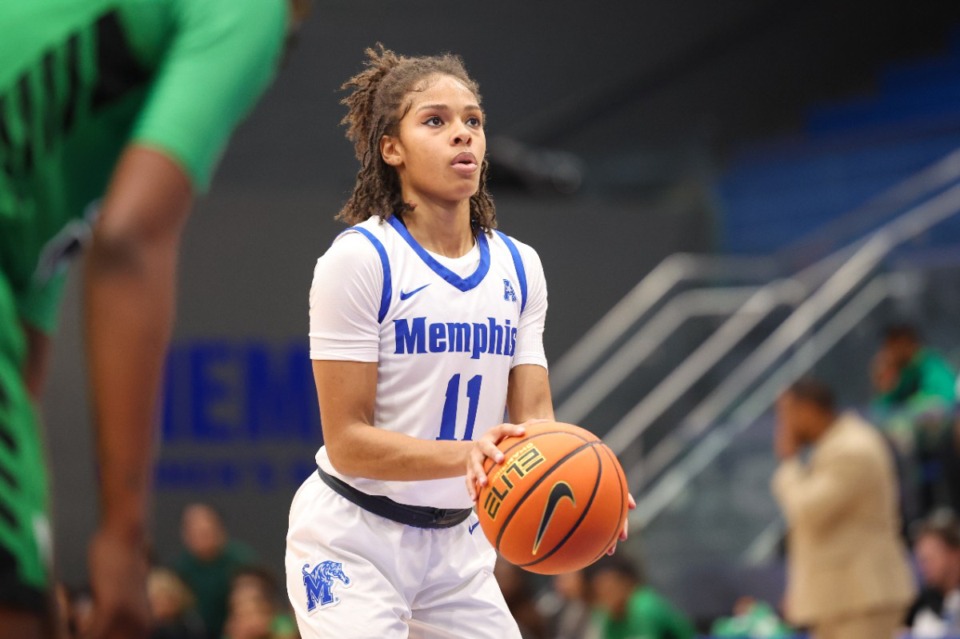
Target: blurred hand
{"type": "Point", "coordinates": [118, 578]}
{"type": "Point", "coordinates": [785, 443]}
{"type": "Point", "coordinates": [632, 503]}
{"type": "Point", "coordinates": [486, 447]}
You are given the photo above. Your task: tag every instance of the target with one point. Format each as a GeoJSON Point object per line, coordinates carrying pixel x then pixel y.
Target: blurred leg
{"type": "Point", "coordinates": [24, 531]}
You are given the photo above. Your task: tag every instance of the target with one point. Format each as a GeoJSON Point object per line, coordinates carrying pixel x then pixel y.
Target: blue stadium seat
{"type": "Point", "coordinates": [850, 151]}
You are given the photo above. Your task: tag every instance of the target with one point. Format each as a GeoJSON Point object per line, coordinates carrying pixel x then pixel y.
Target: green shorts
{"type": "Point", "coordinates": [24, 528]}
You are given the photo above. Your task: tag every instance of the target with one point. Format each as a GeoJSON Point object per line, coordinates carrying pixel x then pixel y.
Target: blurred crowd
{"type": "Point", "coordinates": [857, 489]}
{"type": "Point", "coordinates": [216, 588]}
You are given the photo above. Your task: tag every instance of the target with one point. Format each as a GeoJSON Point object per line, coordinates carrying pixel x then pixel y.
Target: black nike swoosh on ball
{"type": "Point", "coordinates": [560, 490]}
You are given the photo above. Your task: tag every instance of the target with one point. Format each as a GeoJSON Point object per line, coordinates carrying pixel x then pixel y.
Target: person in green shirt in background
{"type": "Point", "coordinates": [915, 408]}
{"type": "Point", "coordinates": [113, 115]}
{"type": "Point", "coordinates": [628, 608]}
{"type": "Point", "coordinates": [256, 609]}
{"type": "Point", "coordinates": [752, 619]}
{"type": "Point", "coordinates": [209, 562]}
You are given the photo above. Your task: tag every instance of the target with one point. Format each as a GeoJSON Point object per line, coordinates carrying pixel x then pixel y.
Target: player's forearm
{"type": "Point", "coordinates": [528, 394]}
{"type": "Point", "coordinates": [360, 450]}
{"type": "Point", "coordinates": [129, 315]}
{"type": "Point", "coordinates": [129, 303]}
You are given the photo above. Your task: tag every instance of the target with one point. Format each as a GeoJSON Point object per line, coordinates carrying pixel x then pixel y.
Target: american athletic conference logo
{"type": "Point", "coordinates": [509, 295]}
{"type": "Point", "coordinates": [319, 583]}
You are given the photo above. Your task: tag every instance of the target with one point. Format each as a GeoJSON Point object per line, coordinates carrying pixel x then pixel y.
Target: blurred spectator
{"type": "Point", "coordinates": [627, 607]}
{"type": "Point", "coordinates": [884, 376]}
{"type": "Point", "coordinates": [254, 608]}
{"type": "Point", "coordinates": [848, 575]}
{"type": "Point", "coordinates": [172, 607]}
{"type": "Point", "coordinates": [518, 593]}
{"type": "Point", "coordinates": [751, 619]}
{"type": "Point", "coordinates": [914, 406]}
{"type": "Point", "coordinates": [566, 607]}
{"type": "Point", "coordinates": [208, 562]}
{"type": "Point", "coordinates": [936, 612]}
{"type": "Point", "coordinates": [925, 382]}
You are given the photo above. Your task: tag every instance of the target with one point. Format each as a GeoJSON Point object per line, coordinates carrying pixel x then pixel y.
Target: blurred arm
{"type": "Point", "coordinates": [819, 496]}
{"type": "Point", "coordinates": [346, 391]}
{"type": "Point", "coordinates": [38, 361]}
{"type": "Point", "coordinates": [129, 290]}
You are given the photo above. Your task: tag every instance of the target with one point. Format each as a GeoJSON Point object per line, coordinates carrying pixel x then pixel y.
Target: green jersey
{"type": "Point", "coordinates": [648, 616]}
{"type": "Point", "coordinates": [80, 79]}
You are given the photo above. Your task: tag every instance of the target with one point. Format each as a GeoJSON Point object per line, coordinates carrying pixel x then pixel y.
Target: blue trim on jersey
{"type": "Point", "coordinates": [521, 272]}
{"type": "Point", "coordinates": [464, 284]}
{"type": "Point", "coordinates": [387, 293]}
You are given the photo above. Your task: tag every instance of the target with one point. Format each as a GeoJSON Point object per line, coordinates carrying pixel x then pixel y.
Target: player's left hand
{"type": "Point", "coordinates": [486, 447]}
{"type": "Point", "coordinates": [118, 578]}
{"type": "Point", "coordinates": [632, 503]}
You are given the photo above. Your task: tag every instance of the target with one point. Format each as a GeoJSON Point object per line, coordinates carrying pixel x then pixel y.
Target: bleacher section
{"type": "Point", "coordinates": [848, 151]}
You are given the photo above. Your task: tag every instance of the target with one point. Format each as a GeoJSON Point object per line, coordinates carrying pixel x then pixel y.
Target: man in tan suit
{"type": "Point", "coordinates": [848, 576]}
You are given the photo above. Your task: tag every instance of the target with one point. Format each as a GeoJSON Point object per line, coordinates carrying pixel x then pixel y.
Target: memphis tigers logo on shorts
{"type": "Point", "coordinates": [320, 582]}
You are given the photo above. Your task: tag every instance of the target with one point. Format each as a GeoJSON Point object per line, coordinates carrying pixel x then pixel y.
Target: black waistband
{"type": "Point", "coordinates": [417, 516]}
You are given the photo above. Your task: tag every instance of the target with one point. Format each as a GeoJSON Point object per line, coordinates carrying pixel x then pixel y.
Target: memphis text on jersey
{"type": "Point", "coordinates": [490, 337]}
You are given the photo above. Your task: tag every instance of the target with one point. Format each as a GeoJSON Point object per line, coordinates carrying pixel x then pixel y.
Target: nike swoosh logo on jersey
{"type": "Point", "coordinates": [560, 490]}
{"type": "Point", "coordinates": [472, 527]}
{"type": "Point", "coordinates": [408, 294]}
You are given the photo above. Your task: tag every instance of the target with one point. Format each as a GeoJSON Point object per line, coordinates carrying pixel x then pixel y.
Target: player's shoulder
{"type": "Point", "coordinates": [526, 252]}
{"type": "Point", "coordinates": [371, 232]}
{"type": "Point", "coordinates": [363, 242]}
{"type": "Point", "coordinates": [257, 23]}
{"type": "Point", "coordinates": [852, 437]}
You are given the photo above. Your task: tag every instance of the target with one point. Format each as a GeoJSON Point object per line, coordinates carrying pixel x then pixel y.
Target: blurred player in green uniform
{"type": "Point", "coordinates": [113, 114]}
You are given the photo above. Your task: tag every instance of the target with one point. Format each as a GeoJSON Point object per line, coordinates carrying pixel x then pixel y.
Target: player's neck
{"type": "Point", "coordinates": [440, 228]}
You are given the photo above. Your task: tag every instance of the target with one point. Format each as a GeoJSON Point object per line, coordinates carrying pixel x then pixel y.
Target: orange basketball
{"type": "Point", "coordinates": [557, 502]}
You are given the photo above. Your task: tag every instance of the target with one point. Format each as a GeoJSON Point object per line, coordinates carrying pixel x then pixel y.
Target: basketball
{"type": "Point", "coordinates": [557, 502]}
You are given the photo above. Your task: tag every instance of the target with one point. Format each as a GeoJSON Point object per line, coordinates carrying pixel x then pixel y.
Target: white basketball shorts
{"type": "Point", "coordinates": [355, 575]}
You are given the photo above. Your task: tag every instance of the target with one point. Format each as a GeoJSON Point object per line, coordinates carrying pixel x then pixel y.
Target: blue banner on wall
{"type": "Point", "coordinates": [237, 415]}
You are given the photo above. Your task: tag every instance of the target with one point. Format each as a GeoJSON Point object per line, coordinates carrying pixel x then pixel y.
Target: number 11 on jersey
{"type": "Point", "coordinates": [448, 421]}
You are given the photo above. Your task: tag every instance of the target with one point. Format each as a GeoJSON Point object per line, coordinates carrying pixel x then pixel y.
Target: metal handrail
{"type": "Point", "coordinates": [657, 285]}
{"type": "Point", "coordinates": [720, 344]}
{"type": "Point", "coordinates": [669, 486]}
{"type": "Point", "coordinates": [680, 309]}
{"type": "Point", "coordinates": [860, 267]}
{"type": "Point", "coordinates": [866, 255]}
{"type": "Point", "coordinates": [632, 308]}
{"type": "Point", "coordinates": [841, 284]}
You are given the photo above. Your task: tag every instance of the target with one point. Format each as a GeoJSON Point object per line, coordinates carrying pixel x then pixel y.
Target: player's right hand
{"type": "Point", "coordinates": [486, 447]}
{"type": "Point", "coordinates": [118, 578]}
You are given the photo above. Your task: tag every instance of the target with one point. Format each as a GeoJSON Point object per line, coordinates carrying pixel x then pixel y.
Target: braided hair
{"type": "Point", "coordinates": [376, 104]}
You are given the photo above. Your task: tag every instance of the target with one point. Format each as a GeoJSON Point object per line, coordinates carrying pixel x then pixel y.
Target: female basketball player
{"type": "Point", "coordinates": [425, 324]}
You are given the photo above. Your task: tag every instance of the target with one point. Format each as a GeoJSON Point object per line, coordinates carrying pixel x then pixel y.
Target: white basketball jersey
{"type": "Point", "coordinates": [444, 341]}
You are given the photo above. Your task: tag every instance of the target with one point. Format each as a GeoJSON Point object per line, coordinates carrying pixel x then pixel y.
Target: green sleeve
{"type": "Point", "coordinates": [222, 56]}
